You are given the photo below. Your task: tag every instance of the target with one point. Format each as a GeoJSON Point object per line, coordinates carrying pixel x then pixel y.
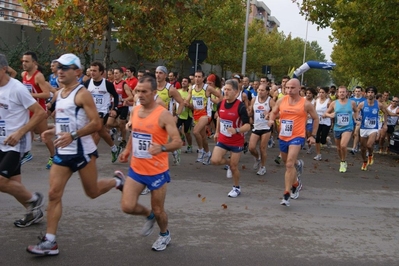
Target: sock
{"type": "Point", "coordinates": [164, 234]}
{"type": "Point", "coordinates": [151, 216]}
{"type": "Point", "coordinates": [50, 237]}
{"type": "Point", "coordinates": [34, 198]}
{"type": "Point", "coordinates": [296, 184]}
{"type": "Point", "coordinates": [114, 148]}
{"type": "Point", "coordinates": [118, 182]}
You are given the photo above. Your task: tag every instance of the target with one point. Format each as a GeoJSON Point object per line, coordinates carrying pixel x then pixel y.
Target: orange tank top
{"type": "Point", "coordinates": [146, 131]}
{"type": "Point", "coordinates": [292, 119]}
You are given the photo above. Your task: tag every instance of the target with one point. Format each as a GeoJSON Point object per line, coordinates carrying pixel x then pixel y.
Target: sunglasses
{"type": "Point", "coordinates": [65, 68]}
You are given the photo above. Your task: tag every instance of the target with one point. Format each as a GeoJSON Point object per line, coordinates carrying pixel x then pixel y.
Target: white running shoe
{"type": "Point", "coordinates": [162, 242]}
{"type": "Point", "coordinates": [229, 173]}
{"type": "Point", "coordinates": [207, 158]}
{"type": "Point", "coordinates": [234, 193]}
{"type": "Point", "coordinates": [262, 171]}
{"type": "Point", "coordinates": [317, 157]}
{"type": "Point", "coordinates": [200, 156]}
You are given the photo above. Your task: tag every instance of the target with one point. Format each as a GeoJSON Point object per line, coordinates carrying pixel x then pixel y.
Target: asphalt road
{"type": "Point", "coordinates": [339, 219]}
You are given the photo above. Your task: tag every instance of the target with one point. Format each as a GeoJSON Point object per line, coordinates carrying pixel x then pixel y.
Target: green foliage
{"type": "Point", "coordinates": [366, 33]}
{"type": "Point", "coordinates": [163, 31]}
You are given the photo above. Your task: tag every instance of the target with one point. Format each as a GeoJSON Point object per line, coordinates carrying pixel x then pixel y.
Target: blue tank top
{"type": "Point", "coordinates": [53, 80]}
{"type": "Point", "coordinates": [343, 116]}
{"type": "Point", "coordinates": [369, 115]}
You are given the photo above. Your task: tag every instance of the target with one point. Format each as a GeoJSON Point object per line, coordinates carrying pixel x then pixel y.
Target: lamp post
{"type": "Point", "coordinates": [244, 53]}
{"type": "Point", "coordinates": [304, 49]}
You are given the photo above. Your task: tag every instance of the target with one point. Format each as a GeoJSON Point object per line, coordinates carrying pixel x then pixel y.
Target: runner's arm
{"type": "Point", "coordinates": [44, 86]}
{"type": "Point", "coordinates": [176, 95]}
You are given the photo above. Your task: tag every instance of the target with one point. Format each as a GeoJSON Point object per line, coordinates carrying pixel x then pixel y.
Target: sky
{"type": "Point", "coordinates": [287, 13]}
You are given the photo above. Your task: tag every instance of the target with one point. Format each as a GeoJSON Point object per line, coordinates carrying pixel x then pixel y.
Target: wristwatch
{"type": "Point", "coordinates": [163, 148]}
{"type": "Point", "coordinates": [314, 136]}
{"type": "Point", "coordinates": [237, 130]}
{"type": "Point", "coordinates": [74, 135]}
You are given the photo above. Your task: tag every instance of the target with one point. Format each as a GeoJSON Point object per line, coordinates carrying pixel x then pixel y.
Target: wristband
{"type": "Point", "coordinates": [74, 135]}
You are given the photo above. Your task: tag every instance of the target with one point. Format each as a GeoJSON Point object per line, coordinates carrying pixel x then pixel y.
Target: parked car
{"type": "Point", "coordinates": [394, 142]}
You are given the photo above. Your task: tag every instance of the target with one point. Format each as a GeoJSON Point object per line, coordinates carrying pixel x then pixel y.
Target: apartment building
{"type": "Point", "coordinates": [259, 10]}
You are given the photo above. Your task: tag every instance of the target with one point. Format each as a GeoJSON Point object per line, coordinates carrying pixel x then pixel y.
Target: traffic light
{"type": "Point", "coordinates": [266, 70]}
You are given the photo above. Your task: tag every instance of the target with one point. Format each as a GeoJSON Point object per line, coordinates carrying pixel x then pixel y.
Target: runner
{"type": "Point", "coordinates": [151, 127]}
{"type": "Point", "coordinates": [202, 113]}
{"type": "Point", "coordinates": [76, 119]}
{"type": "Point", "coordinates": [102, 90]}
{"type": "Point", "coordinates": [321, 105]}
{"type": "Point", "coordinates": [15, 140]}
{"type": "Point", "coordinates": [232, 122]}
{"type": "Point", "coordinates": [40, 90]}
{"type": "Point", "coordinates": [293, 110]}
{"type": "Point", "coordinates": [344, 112]}
{"type": "Point", "coordinates": [357, 98]}
{"type": "Point", "coordinates": [369, 126]}
{"type": "Point", "coordinates": [261, 105]}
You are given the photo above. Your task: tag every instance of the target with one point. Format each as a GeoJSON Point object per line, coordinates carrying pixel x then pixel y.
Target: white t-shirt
{"type": "Point", "coordinates": [15, 99]}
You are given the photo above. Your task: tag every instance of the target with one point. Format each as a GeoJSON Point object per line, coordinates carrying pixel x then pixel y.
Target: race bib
{"type": "Point", "coordinates": [224, 125]}
{"type": "Point", "coordinates": [29, 87]}
{"type": "Point", "coordinates": [198, 103]}
{"type": "Point", "coordinates": [260, 115]}
{"type": "Point", "coordinates": [62, 125]}
{"type": "Point", "coordinates": [370, 122]}
{"type": "Point", "coordinates": [3, 130]}
{"type": "Point", "coordinates": [141, 144]}
{"type": "Point", "coordinates": [287, 127]}
{"type": "Point", "coordinates": [342, 119]}
{"type": "Point", "coordinates": [98, 99]}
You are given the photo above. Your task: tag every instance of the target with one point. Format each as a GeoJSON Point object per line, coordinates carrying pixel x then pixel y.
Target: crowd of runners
{"type": "Point", "coordinates": [144, 116]}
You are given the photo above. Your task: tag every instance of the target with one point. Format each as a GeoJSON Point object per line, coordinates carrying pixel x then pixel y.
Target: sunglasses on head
{"type": "Point", "coordinates": [65, 68]}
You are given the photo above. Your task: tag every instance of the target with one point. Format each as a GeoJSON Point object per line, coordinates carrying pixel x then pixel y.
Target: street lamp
{"type": "Point", "coordinates": [304, 49]}
{"type": "Point", "coordinates": [244, 53]}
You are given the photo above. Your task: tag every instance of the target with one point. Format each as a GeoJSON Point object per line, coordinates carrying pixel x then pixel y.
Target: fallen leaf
{"type": "Point", "coordinates": [203, 199]}
{"type": "Point", "coordinates": [199, 195]}
{"type": "Point", "coordinates": [224, 206]}
{"type": "Point", "coordinates": [243, 167]}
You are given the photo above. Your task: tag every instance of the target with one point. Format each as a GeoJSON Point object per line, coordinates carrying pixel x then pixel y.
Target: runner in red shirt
{"type": "Point", "coordinates": [37, 85]}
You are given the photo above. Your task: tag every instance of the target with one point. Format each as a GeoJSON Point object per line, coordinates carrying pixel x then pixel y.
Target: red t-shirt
{"type": "Point", "coordinates": [132, 82]}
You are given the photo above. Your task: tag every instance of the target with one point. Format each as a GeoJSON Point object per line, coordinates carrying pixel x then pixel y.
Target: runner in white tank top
{"type": "Point", "coordinates": [261, 105]}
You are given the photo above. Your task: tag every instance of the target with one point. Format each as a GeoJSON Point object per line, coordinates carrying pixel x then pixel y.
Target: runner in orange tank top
{"type": "Point", "coordinates": [293, 110]}
{"type": "Point", "coordinates": [151, 126]}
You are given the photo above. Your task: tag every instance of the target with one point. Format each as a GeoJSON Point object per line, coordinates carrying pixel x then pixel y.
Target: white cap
{"type": "Point", "coordinates": [69, 59]}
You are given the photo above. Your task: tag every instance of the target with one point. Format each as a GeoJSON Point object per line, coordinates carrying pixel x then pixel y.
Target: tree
{"type": "Point", "coordinates": [161, 30]}
{"type": "Point", "coordinates": [366, 32]}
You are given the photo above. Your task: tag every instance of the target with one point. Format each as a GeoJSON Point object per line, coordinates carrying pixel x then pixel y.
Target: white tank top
{"type": "Point", "coordinates": [392, 120]}
{"type": "Point", "coordinates": [101, 96]}
{"type": "Point", "coordinates": [260, 111]}
{"type": "Point", "coordinates": [239, 97]}
{"type": "Point", "coordinates": [321, 108]}
{"type": "Point", "coordinates": [310, 119]}
{"type": "Point", "coordinates": [68, 118]}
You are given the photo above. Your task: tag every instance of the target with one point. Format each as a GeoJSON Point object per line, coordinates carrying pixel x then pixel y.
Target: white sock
{"type": "Point", "coordinates": [118, 182]}
{"type": "Point", "coordinates": [50, 237]}
{"type": "Point", "coordinates": [34, 198]}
